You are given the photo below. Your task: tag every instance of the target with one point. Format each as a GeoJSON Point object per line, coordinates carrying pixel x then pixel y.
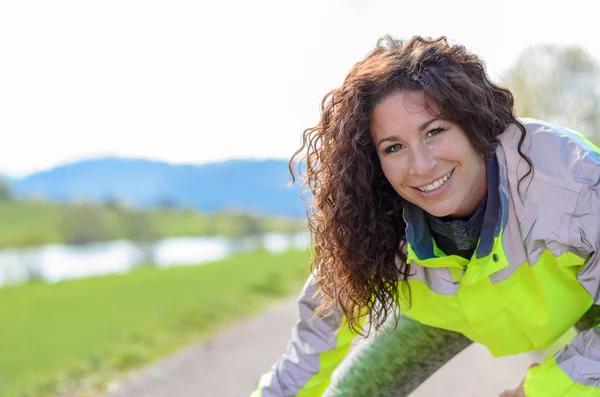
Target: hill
{"type": "Point", "coordinates": [259, 186]}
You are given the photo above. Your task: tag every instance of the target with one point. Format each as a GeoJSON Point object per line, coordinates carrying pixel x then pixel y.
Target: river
{"type": "Point", "coordinates": [56, 262]}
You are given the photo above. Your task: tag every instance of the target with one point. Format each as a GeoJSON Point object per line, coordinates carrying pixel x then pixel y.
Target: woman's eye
{"type": "Point", "coordinates": [435, 131]}
{"type": "Point", "coordinates": [393, 148]}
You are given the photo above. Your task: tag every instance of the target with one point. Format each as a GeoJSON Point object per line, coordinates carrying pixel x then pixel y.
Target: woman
{"type": "Point", "coordinates": [431, 196]}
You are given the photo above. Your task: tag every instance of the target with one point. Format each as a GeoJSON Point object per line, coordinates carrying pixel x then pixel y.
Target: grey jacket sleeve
{"type": "Point", "coordinates": [314, 351]}
{"type": "Point", "coordinates": [575, 370]}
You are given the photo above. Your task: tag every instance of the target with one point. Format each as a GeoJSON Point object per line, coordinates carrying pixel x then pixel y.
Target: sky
{"type": "Point", "coordinates": [201, 81]}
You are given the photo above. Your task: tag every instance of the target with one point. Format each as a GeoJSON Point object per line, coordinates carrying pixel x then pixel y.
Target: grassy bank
{"type": "Point", "coordinates": [30, 223]}
{"type": "Point", "coordinates": [83, 332]}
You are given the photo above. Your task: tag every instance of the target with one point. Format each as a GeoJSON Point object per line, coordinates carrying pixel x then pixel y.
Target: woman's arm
{"type": "Point", "coordinates": [386, 364]}
{"type": "Point", "coordinates": [575, 370]}
{"type": "Point", "coordinates": [313, 353]}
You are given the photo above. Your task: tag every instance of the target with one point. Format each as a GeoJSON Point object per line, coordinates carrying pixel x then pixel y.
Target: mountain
{"type": "Point", "coordinates": [251, 185]}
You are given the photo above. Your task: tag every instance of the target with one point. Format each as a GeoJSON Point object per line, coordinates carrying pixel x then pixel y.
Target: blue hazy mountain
{"type": "Point", "coordinates": [250, 185]}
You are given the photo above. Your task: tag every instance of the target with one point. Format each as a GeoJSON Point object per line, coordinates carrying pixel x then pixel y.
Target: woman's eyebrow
{"type": "Point", "coordinates": [426, 124]}
{"type": "Point", "coordinates": [391, 138]}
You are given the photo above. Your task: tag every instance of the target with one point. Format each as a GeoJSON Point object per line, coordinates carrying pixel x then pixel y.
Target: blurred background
{"type": "Point", "coordinates": [144, 197]}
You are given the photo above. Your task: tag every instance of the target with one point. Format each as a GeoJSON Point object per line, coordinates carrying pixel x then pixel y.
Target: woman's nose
{"type": "Point", "coordinates": [422, 160]}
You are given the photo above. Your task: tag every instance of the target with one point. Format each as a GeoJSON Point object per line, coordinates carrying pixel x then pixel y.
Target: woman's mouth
{"type": "Point", "coordinates": [437, 184]}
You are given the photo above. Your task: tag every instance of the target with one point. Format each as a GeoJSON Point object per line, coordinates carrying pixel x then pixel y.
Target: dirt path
{"type": "Point", "coordinates": [229, 364]}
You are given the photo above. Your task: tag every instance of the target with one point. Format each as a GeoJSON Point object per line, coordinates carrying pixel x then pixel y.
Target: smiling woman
{"type": "Point", "coordinates": [432, 198]}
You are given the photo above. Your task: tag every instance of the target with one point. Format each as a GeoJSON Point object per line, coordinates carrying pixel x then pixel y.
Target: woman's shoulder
{"type": "Point", "coordinates": [546, 135]}
{"type": "Point", "coordinates": [559, 154]}
{"type": "Point", "coordinates": [561, 195]}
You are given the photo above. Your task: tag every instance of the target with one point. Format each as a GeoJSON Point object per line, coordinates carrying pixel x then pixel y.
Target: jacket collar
{"type": "Point", "coordinates": [418, 233]}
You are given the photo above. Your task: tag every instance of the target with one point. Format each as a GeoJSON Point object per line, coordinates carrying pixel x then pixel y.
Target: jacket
{"type": "Point", "coordinates": [534, 273]}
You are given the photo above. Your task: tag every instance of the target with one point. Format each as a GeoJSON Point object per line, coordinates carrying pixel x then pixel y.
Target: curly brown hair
{"type": "Point", "coordinates": [359, 245]}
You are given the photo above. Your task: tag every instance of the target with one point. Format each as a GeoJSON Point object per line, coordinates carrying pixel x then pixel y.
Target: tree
{"type": "Point", "coordinates": [558, 84]}
{"type": "Point", "coordinates": [84, 224]}
{"type": "Point", "coordinates": [138, 228]}
{"type": "Point", "coordinates": [5, 190]}
{"type": "Point", "coordinates": [246, 227]}
{"type": "Point", "coordinates": [111, 202]}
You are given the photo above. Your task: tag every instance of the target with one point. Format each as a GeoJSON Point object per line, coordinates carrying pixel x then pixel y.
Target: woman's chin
{"type": "Point", "coordinates": [440, 211]}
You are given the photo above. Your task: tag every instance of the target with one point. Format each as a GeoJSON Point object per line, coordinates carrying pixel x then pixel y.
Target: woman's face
{"type": "Point", "coordinates": [428, 161]}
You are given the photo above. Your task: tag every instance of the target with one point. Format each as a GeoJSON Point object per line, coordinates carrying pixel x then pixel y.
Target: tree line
{"type": "Point", "coordinates": [560, 84]}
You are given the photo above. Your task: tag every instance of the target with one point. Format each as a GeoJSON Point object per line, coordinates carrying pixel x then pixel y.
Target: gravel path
{"type": "Point", "coordinates": [229, 365]}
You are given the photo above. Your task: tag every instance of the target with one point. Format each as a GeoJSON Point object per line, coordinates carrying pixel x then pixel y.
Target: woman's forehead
{"type": "Point", "coordinates": [403, 109]}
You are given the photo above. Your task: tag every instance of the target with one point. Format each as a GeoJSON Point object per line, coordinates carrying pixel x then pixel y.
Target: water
{"type": "Point", "coordinates": [53, 263]}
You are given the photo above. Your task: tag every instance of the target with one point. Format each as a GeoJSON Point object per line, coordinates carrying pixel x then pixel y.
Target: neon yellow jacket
{"type": "Point", "coordinates": [534, 273]}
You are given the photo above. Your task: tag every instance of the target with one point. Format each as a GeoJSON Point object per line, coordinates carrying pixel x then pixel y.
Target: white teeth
{"type": "Point", "coordinates": [436, 184]}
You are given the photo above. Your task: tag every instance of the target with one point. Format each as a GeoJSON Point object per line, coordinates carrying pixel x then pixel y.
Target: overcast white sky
{"type": "Point", "coordinates": [198, 81]}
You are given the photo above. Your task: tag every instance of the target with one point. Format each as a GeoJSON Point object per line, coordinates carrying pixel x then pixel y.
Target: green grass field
{"type": "Point", "coordinates": [83, 332]}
